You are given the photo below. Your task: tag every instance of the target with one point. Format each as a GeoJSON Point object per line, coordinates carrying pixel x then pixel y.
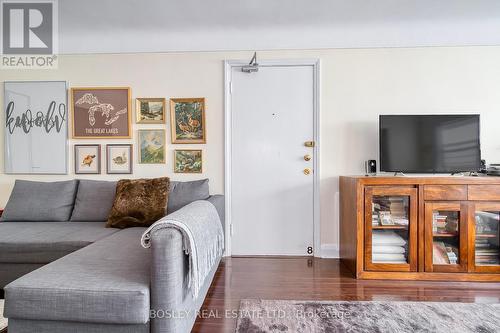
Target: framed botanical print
{"type": "Point", "coordinates": [150, 110]}
{"type": "Point", "coordinates": [188, 120]}
{"type": "Point", "coordinates": [188, 161]}
{"type": "Point", "coordinates": [88, 159]}
{"type": "Point", "coordinates": [119, 159]}
{"type": "Point", "coordinates": [152, 146]}
{"type": "Point", "coordinates": [100, 113]}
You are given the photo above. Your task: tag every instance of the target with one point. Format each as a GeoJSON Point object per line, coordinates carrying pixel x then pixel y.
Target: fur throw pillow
{"type": "Point", "coordinates": [139, 202]}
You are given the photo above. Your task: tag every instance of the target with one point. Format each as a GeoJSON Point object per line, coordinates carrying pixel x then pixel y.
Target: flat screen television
{"type": "Point", "coordinates": [429, 143]}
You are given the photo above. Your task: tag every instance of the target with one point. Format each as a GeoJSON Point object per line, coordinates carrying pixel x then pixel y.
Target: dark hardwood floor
{"type": "Point", "coordinates": [317, 279]}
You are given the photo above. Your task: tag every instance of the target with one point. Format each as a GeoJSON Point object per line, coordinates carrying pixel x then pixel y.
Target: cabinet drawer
{"type": "Point", "coordinates": [445, 192]}
{"type": "Point", "coordinates": [484, 192]}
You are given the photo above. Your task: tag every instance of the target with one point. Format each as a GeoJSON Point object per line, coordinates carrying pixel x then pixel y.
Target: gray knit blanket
{"type": "Point", "coordinates": [202, 238]}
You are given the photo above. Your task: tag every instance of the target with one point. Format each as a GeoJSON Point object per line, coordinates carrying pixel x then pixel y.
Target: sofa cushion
{"type": "Point", "coordinates": [40, 201]}
{"type": "Point", "coordinates": [183, 193]}
{"type": "Point", "coordinates": [139, 202]}
{"type": "Point", "coordinates": [94, 200]}
{"type": "Point", "coordinates": [44, 242]}
{"type": "Point", "coordinates": [96, 284]}
{"type": "Point", "coordinates": [10, 272]}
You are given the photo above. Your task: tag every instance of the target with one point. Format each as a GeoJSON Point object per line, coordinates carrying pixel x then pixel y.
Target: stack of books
{"type": "Point", "coordinates": [486, 253]}
{"type": "Point", "coordinates": [375, 215]}
{"type": "Point", "coordinates": [444, 224]}
{"type": "Point", "coordinates": [389, 211]}
{"type": "Point", "coordinates": [452, 256]}
{"type": "Point", "coordinates": [438, 222]}
{"type": "Point", "coordinates": [444, 254]}
{"type": "Point", "coordinates": [397, 207]}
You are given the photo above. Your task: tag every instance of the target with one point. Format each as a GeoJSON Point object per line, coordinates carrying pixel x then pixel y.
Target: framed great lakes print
{"type": "Point", "coordinates": [36, 127]}
{"type": "Point", "coordinates": [101, 113]}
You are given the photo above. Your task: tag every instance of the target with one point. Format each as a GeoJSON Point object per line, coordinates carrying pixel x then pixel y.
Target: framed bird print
{"type": "Point", "coordinates": [188, 120]}
{"type": "Point", "coordinates": [188, 161]}
{"type": "Point", "coordinates": [88, 159]}
{"type": "Point", "coordinates": [101, 113]}
{"type": "Point", "coordinates": [119, 159]}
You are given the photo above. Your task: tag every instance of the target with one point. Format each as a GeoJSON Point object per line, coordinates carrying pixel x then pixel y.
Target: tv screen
{"type": "Point", "coordinates": [429, 143]}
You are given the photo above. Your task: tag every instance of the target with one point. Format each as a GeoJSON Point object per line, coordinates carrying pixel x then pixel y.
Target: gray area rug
{"type": "Point", "coordinates": [3, 321]}
{"type": "Point", "coordinates": [259, 316]}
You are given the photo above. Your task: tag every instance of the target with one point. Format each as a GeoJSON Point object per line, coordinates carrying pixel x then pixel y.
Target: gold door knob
{"type": "Point", "coordinates": [307, 157]}
{"type": "Point", "coordinates": [307, 171]}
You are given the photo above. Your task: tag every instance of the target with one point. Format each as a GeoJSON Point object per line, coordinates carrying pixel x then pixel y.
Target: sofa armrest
{"type": "Point", "coordinates": [173, 308]}
{"type": "Point", "coordinates": [219, 202]}
{"type": "Point", "coordinates": [169, 267]}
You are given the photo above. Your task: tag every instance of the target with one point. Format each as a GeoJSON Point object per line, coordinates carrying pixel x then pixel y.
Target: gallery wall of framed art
{"type": "Point", "coordinates": [148, 82]}
{"type": "Point", "coordinates": [99, 113]}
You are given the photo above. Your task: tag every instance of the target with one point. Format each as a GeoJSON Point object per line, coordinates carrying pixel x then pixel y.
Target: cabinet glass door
{"type": "Point", "coordinates": [445, 241]}
{"type": "Point", "coordinates": [390, 228]}
{"type": "Point", "coordinates": [484, 231]}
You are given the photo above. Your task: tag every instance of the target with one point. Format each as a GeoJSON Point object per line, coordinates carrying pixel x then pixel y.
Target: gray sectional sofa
{"type": "Point", "coordinates": [63, 271]}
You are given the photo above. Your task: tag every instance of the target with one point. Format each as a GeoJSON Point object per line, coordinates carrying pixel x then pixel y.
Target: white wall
{"type": "Point", "coordinates": [356, 86]}
{"type": "Point", "coordinates": [108, 26]}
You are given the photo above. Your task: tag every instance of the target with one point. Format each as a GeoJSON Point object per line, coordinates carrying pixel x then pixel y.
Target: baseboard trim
{"type": "Point", "coordinates": [329, 251]}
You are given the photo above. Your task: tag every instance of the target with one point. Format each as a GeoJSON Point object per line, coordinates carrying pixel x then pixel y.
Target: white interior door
{"type": "Point", "coordinates": [272, 199]}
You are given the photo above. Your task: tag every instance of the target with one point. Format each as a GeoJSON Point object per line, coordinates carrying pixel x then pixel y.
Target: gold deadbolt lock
{"type": "Point", "coordinates": [307, 171]}
{"type": "Point", "coordinates": [309, 144]}
{"type": "Point", "coordinates": [307, 157]}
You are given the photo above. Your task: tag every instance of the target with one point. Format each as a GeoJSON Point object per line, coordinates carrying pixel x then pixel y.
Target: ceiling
{"type": "Point", "coordinates": [116, 26]}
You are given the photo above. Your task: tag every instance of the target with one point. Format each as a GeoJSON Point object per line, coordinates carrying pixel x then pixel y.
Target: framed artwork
{"type": "Point", "coordinates": [150, 110]}
{"type": "Point", "coordinates": [100, 113]}
{"type": "Point", "coordinates": [188, 120]}
{"type": "Point", "coordinates": [36, 127]}
{"type": "Point", "coordinates": [151, 146]}
{"type": "Point", "coordinates": [87, 159]}
{"type": "Point", "coordinates": [119, 159]}
{"type": "Point", "coordinates": [188, 161]}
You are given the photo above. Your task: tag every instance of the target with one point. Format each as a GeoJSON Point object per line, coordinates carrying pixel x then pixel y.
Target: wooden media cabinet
{"type": "Point", "coordinates": [421, 228]}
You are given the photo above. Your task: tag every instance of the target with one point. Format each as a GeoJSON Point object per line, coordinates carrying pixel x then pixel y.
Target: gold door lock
{"type": "Point", "coordinates": [307, 157]}
{"type": "Point", "coordinates": [309, 144]}
{"type": "Point", "coordinates": [307, 171]}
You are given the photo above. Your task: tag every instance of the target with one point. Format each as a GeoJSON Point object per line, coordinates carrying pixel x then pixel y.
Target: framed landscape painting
{"type": "Point", "coordinates": [87, 159]}
{"type": "Point", "coordinates": [119, 159]}
{"type": "Point", "coordinates": [151, 146]}
{"type": "Point", "coordinates": [188, 161]}
{"type": "Point", "coordinates": [188, 120]}
{"type": "Point", "coordinates": [100, 113]}
{"type": "Point", "coordinates": [150, 110]}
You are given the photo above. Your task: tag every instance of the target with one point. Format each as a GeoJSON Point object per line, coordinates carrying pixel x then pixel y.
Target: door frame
{"type": "Point", "coordinates": [228, 67]}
